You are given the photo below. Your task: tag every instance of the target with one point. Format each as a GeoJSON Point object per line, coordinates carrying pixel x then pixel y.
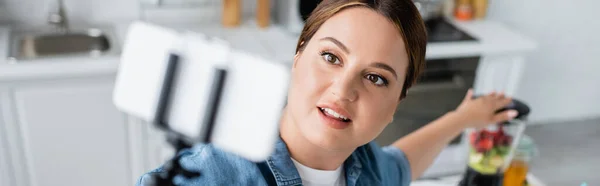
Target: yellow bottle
{"type": "Point", "coordinates": [516, 174]}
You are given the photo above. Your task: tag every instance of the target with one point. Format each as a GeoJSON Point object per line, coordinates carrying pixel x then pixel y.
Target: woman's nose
{"type": "Point", "coordinates": [343, 88]}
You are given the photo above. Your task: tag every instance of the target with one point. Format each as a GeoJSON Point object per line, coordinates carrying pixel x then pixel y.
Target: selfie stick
{"type": "Point", "coordinates": [173, 168]}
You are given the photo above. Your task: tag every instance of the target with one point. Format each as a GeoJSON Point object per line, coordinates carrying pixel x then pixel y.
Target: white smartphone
{"type": "Point", "coordinates": [251, 99]}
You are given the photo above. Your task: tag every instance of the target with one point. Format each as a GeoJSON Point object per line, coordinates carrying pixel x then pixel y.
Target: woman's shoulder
{"type": "Point", "coordinates": [388, 163]}
{"type": "Point", "coordinates": [369, 152]}
{"type": "Point", "coordinates": [216, 167]}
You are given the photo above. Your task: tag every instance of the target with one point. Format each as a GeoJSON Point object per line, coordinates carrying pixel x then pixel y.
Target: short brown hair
{"type": "Point", "coordinates": [402, 13]}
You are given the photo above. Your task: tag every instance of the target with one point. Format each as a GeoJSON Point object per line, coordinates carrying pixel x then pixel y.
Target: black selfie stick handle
{"type": "Point", "coordinates": [214, 101]}
{"type": "Point", "coordinates": [173, 168]}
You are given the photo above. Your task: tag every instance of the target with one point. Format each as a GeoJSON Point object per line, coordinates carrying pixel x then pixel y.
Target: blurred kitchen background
{"type": "Point", "coordinates": [58, 125]}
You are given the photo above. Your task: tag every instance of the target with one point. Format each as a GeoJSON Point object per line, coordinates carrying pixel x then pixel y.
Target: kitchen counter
{"type": "Point", "coordinates": [493, 38]}
{"type": "Point", "coordinates": [454, 180]}
{"type": "Point", "coordinates": [273, 43]}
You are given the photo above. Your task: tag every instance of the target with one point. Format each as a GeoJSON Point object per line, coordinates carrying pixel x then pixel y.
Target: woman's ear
{"type": "Point", "coordinates": [296, 59]}
{"type": "Point", "coordinates": [297, 56]}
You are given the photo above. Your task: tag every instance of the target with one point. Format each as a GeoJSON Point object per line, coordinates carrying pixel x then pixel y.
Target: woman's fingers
{"type": "Point", "coordinates": [497, 100]}
{"type": "Point", "coordinates": [504, 116]}
{"type": "Point", "coordinates": [493, 94]}
{"type": "Point", "coordinates": [469, 95]}
{"type": "Point", "coordinates": [502, 102]}
{"type": "Point", "coordinates": [506, 101]}
{"type": "Point", "coordinates": [500, 96]}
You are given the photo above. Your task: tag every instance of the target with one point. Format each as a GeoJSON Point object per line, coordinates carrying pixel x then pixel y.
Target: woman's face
{"type": "Point", "coordinates": [348, 79]}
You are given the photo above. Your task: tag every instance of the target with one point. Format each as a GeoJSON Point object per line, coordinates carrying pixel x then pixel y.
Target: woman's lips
{"type": "Point", "coordinates": [332, 121]}
{"type": "Point", "coordinates": [336, 109]}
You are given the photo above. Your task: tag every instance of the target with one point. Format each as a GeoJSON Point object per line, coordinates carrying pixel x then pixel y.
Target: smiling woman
{"type": "Point", "coordinates": [354, 61]}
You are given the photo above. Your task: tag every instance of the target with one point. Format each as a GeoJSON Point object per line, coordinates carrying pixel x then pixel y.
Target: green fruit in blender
{"type": "Point", "coordinates": [483, 169]}
{"type": "Point", "coordinates": [502, 150]}
{"type": "Point", "coordinates": [475, 158]}
{"type": "Point", "coordinates": [493, 152]}
{"type": "Point", "coordinates": [496, 161]}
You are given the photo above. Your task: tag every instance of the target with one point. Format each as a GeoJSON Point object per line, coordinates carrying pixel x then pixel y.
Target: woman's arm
{"type": "Point", "coordinates": [422, 146]}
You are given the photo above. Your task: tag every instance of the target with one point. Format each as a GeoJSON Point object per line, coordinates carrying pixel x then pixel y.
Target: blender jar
{"type": "Point", "coordinates": [492, 149]}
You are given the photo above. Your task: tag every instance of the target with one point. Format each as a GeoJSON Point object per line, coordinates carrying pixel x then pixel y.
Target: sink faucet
{"type": "Point", "coordinates": [58, 17]}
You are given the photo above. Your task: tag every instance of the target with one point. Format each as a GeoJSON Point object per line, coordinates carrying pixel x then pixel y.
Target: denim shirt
{"type": "Point", "coordinates": [368, 165]}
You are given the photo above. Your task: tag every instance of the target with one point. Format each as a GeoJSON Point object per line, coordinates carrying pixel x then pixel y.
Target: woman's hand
{"type": "Point", "coordinates": [480, 112]}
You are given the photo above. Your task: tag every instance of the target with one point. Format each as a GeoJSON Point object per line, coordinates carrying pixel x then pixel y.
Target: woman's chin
{"type": "Point", "coordinates": [325, 137]}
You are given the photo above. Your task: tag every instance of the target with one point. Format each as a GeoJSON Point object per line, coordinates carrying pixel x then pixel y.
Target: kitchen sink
{"type": "Point", "coordinates": [91, 42]}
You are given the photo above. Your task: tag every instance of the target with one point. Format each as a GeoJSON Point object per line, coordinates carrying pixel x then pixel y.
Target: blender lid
{"type": "Point", "coordinates": [519, 106]}
{"type": "Point", "coordinates": [522, 109]}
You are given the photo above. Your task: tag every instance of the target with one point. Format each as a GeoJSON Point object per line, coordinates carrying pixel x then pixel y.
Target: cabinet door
{"type": "Point", "coordinates": [73, 135]}
{"type": "Point", "coordinates": [5, 178]}
{"type": "Point", "coordinates": [5, 173]}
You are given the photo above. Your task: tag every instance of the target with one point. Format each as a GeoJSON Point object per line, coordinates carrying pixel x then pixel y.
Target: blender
{"type": "Point", "coordinates": [492, 149]}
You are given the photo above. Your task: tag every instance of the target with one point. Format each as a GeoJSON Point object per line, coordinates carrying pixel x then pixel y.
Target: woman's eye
{"type": "Point", "coordinates": [330, 58]}
{"type": "Point", "coordinates": [377, 80]}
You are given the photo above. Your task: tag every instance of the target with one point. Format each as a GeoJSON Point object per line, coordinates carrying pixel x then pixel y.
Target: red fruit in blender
{"type": "Point", "coordinates": [473, 138]}
{"type": "Point", "coordinates": [486, 144]}
{"type": "Point", "coordinates": [500, 130]}
{"type": "Point", "coordinates": [507, 140]}
{"type": "Point", "coordinates": [480, 150]}
{"type": "Point", "coordinates": [497, 141]}
{"type": "Point", "coordinates": [485, 133]}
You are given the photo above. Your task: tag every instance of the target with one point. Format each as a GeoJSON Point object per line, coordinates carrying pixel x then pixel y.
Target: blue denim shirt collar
{"type": "Point", "coordinates": [352, 167]}
{"type": "Point", "coordinates": [281, 165]}
{"type": "Point", "coordinates": [285, 171]}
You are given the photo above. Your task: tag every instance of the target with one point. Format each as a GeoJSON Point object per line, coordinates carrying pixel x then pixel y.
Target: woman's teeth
{"type": "Point", "coordinates": [330, 112]}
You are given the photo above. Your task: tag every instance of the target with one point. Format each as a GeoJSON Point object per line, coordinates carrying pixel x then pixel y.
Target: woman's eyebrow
{"type": "Point", "coordinates": [336, 42]}
{"type": "Point", "coordinates": [345, 49]}
{"type": "Point", "coordinates": [384, 67]}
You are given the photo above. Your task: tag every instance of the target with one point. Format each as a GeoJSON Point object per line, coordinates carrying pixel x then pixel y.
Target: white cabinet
{"type": "Point", "coordinates": [12, 169]}
{"type": "Point", "coordinates": [5, 174]}
{"type": "Point", "coordinates": [68, 133]}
